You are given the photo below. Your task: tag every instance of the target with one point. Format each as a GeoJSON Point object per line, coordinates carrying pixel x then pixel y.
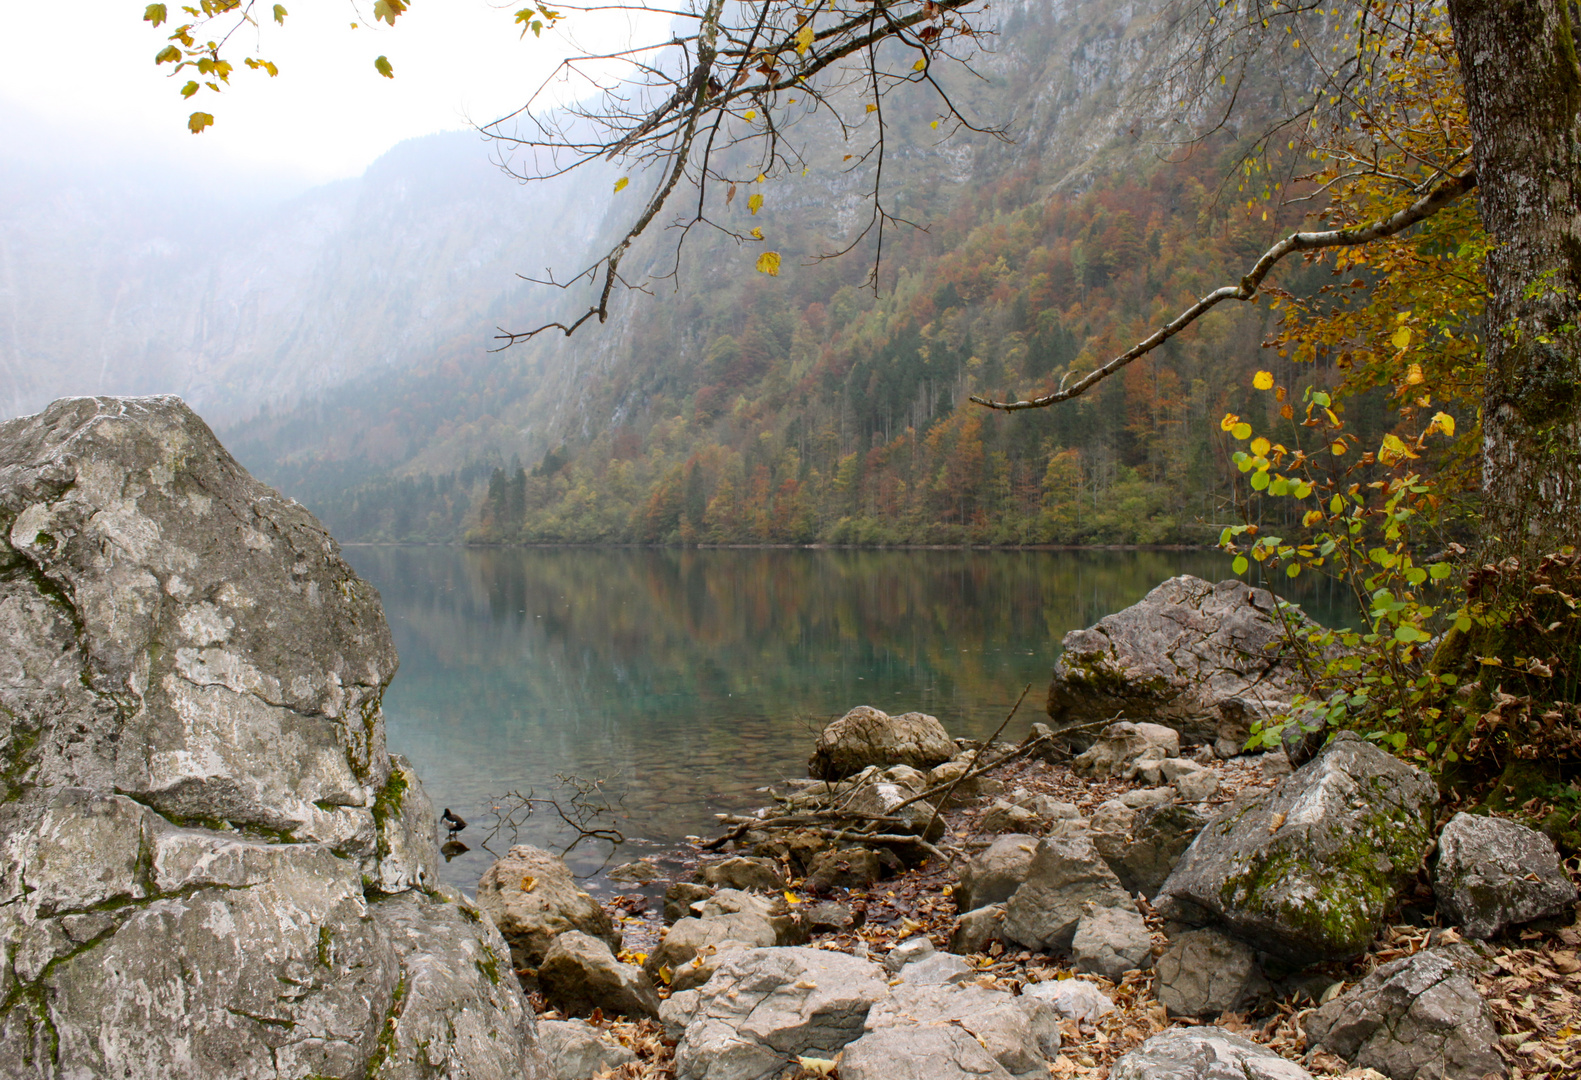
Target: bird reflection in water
{"type": "Point", "coordinates": [451, 848]}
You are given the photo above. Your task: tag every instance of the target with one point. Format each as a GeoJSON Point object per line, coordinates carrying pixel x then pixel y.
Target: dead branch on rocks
{"type": "Point", "coordinates": [586, 808]}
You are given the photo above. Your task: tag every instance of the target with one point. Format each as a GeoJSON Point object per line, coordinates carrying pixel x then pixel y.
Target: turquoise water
{"type": "Point", "coordinates": [687, 679]}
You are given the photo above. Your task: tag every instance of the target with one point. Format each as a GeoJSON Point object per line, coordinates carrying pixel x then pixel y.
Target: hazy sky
{"type": "Point", "coordinates": [87, 68]}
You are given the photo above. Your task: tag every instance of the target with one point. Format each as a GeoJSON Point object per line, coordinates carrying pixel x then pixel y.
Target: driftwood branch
{"type": "Point", "coordinates": [1425, 207]}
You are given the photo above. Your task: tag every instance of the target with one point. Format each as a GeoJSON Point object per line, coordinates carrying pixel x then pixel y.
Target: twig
{"type": "Point", "coordinates": [938, 807]}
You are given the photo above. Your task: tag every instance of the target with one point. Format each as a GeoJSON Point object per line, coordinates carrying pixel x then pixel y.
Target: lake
{"type": "Point", "coordinates": [686, 679]}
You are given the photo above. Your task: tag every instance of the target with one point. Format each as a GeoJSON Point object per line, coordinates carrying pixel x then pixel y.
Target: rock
{"type": "Point", "coordinates": [1021, 1034]}
{"type": "Point", "coordinates": [994, 873]}
{"type": "Point", "coordinates": [1415, 1018]}
{"type": "Point", "coordinates": [1148, 768]}
{"type": "Point", "coordinates": [976, 929]}
{"type": "Point", "coordinates": [1493, 874]}
{"type": "Point", "coordinates": [743, 873]}
{"type": "Point", "coordinates": [576, 1051]}
{"type": "Point", "coordinates": [692, 948]}
{"type": "Point", "coordinates": [580, 974]}
{"type": "Point", "coordinates": [1122, 743]}
{"type": "Point", "coordinates": [949, 773]}
{"type": "Point", "coordinates": [640, 872]}
{"type": "Point", "coordinates": [533, 899]}
{"type": "Point", "coordinates": [1111, 942]}
{"type": "Point", "coordinates": [937, 969]}
{"type": "Point", "coordinates": [1065, 876]}
{"type": "Point", "coordinates": [908, 951]}
{"type": "Point", "coordinates": [679, 898]}
{"type": "Point", "coordinates": [865, 736]}
{"type": "Point", "coordinates": [1145, 797]}
{"type": "Point", "coordinates": [764, 1008]}
{"type": "Point", "coordinates": [1066, 828]}
{"type": "Point", "coordinates": [798, 847]}
{"type": "Point", "coordinates": [1073, 999]}
{"type": "Point", "coordinates": [919, 1052]}
{"type": "Point", "coordinates": [1198, 786]}
{"type": "Point", "coordinates": [1307, 870]}
{"type": "Point", "coordinates": [1003, 816]}
{"type": "Point", "coordinates": [1204, 1053]}
{"type": "Point", "coordinates": [1112, 816]}
{"type": "Point", "coordinates": [884, 799]}
{"type": "Point", "coordinates": [1197, 657]}
{"type": "Point", "coordinates": [1203, 974]}
{"type": "Point", "coordinates": [828, 917]}
{"type": "Point", "coordinates": [1159, 835]}
{"type": "Point", "coordinates": [211, 865]}
{"type": "Point", "coordinates": [847, 868]}
{"type": "Point", "coordinates": [1276, 764]}
{"type": "Point", "coordinates": [914, 780]}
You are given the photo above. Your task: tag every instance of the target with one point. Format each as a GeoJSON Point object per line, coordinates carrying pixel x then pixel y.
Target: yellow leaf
{"type": "Point", "coordinates": [189, 89]}
{"type": "Point", "coordinates": [1401, 338]}
{"type": "Point", "coordinates": [750, 115]}
{"type": "Point", "coordinates": [1312, 518]}
{"type": "Point", "coordinates": [279, 14]}
{"type": "Point", "coordinates": [382, 66]}
{"type": "Point", "coordinates": [1229, 422]}
{"type": "Point", "coordinates": [1242, 431]}
{"type": "Point", "coordinates": [665, 974]}
{"type": "Point", "coordinates": [1263, 380]}
{"type": "Point", "coordinates": [920, 64]}
{"type": "Point", "coordinates": [1393, 451]}
{"type": "Point", "coordinates": [756, 234]}
{"type": "Point", "coordinates": [1443, 422]}
{"type": "Point", "coordinates": [622, 182]}
{"type": "Point", "coordinates": [198, 121]}
{"type": "Point", "coordinates": [154, 13]}
{"type": "Point", "coordinates": [1261, 446]}
{"type": "Point", "coordinates": [759, 180]}
{"type": "Point", "coordinates": [817, 1066]}
{"type": "Point", "coordinates": [935, 124]}
{"type": "Point", "coordinates": [1413, 375]}
{"type": "Point", "coordinates": [769, 263]}
{"type": "Point", "coordinates": [529, 883]}
{"type": "Point", "coordinates": [388, 10]}
{"type": "Point", "coordinates": [755, 203]}
{"type": "Point", "coordinates": [871, 107]}
{"type": "Point", "coordinates": [1337, 447]}
{"type": "Point", "coordinates": [804, 38]}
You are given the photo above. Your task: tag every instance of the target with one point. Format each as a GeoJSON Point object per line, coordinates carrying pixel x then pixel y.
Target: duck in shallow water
{"type": "Point", "coordinates": [452, 822]}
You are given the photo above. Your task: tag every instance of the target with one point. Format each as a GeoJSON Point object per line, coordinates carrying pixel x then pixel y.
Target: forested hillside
{"type": "Point", "coordinates": [734, 407]}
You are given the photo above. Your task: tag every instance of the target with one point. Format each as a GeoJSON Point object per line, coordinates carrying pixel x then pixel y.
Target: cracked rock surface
{"type": "Point", "coordinates": [209, 863]}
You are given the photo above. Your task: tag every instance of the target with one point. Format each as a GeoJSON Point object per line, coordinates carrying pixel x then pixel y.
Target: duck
{"type": "Point", "coordinates": [452, 822]}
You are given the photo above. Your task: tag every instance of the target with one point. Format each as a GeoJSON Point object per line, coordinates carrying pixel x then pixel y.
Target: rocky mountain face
{"type": "Point", "coordinates": [212, 866]}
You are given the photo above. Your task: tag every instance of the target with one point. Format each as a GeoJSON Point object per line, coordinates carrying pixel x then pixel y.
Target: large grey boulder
{"type": "Point", "coordinates": [742, 873]}
{"type": "Point", "coordinates": [993, 874]}
{"type": "Point", "coordinates": [866, 736]}
{"type": "Point", "coordinates": [1073, 999]}
{"type": "Point", "coordinates": [1204, 1053]}
{"type": "Point", "coordinates": [977, 929]}
{"type": "Point", "coordinates": [1415, 1018]}
{"type": "Point", "coordinates": [1067, 879]}
{"type": "Point", "coordinates": [1204, 974]}
{"type": "Point", "coordinates": [1110, 942]}
{"type": "Point", "coordinates": [919, 1052]}
{"type": "Point", "coordinates": [533, 899]}
{"type": "Point", "coordinates": [1493, 874]}
{"type": "Point", "coordinates": [1144, 857]}
{"type": "Point", "coordinates": [764, 1008]}
{"type": "Point", "coordinates": [692, 949]}
{"type": "Point", "coordinates": [580, 974]}
{"type": "Point", "coordinates": [209, 863]}
{"type": "Point", "coordinates": [1123, 747]}
{"type": "Point", "coordinates": [1021, 1033]}
{"type": "Point", "coordinates": [1190, 655]}
{"type": "Point", "coordinates": [577, 1051]}
{"type": "Point", "coordinates": [1307, 870]}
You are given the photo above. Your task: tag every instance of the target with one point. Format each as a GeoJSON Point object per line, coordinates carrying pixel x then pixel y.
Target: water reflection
{"type": "Point", "coordinates": [687, 679]}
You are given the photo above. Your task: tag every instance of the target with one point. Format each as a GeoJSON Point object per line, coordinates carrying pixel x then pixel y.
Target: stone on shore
{"type": "Point", "coordinates": [212, 865]}
{"type": "Point", "coordinates": [1204, 1053]}
{"type": "Point", "coordinates": [995, 873]}
{"type": "Point", "coordinates": [1493, 874]}
{"type": "Point", "coordinates": [1307, 870]}
{"type": "Point", "coordinates": [1073, 999]}
{"type": "Point", "coordinates": [533, 899]}
{"type": "Point", "coordinates": [866, 736]}
{"type": "Point", "coordinates": [1111, 942]}
{"type": "Point", "coordinates": [1204, 974]}
{"type": "Point", "coordinates": [919, 1052]}
{"type": "Point", "coordinates": [977, 929]}
{"type": "Point", "coordinates": [1416, 1018]}
{"type": "Point", "coordinates": [577, 1051]}
{"type": "Point", "coordinates": [742, 872]}
{"type": "Point", "coordinates": [580, 974]}
{"type": "Point", "coordinates": [1190, 655]}
{"type": "Point", "coordinates": [1122, 746]}
{"type": "Point", "coordinates": [1144, 858]}
{"type": "Point", "coordinates": [1066, 879]}
{"type": "Point", "coordinates": [1021, 1033]}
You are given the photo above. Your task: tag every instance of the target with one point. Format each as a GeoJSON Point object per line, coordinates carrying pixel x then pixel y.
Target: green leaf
{"type": "Point", "coordinates": [1407, 634]}
{"type": "Point", "coordinates": [1240, 564]}
{"type": "Point", "coordinates": [1439, 571]}
{"type": "Point", "coordinates": [1320, 398]}
{"type": "Point", "coordinates": [382, 66]}
{"type": "Point", "coordinates": [279, 14]}
{"type": "Point", "coordinates": [1293, 570]}
{"type": "Point", "coordinates": [1259, 481]}
{"type": "Point", "coordinates": [154, 13]}
{"type": "Point", "coordinates": [168, 55]}
{"type": "Point", "coordinates": [1242, 430]}
{"type": "Point", "coordinates": [189, 89]}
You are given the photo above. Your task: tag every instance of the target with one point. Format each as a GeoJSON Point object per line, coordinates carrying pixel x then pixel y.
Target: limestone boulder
{"type": "Point", "coordinates": [1111, 942]}
{"type": "Point", "coordinates": [1006, 817]}
{"type": "Point", "coordinates": [846, 868]}
{"type": "Point", "coordinates": [1204, 1053]}
{"type": "Point", "coordinates": [996, 872]}
{"type": "Point", "coordinates": [580, 974]}
{"type": "Point", "coordinates": [1123, 746]}
{"type": "Point", "coordinates": [1066, 880]}
{"type": "Point", "coordinates": [1416, 1018]}
{"type": "Point", "coordinates": [977, 929]}
{"type": "Point", "coordinates": [742, 873]}
{"type": "Point", "coordinates": [1197, 657]}
{"type": "Point", "coordinates": [866, 736]}
{"type": "Point", "coordinates": [1072, 999]}
{"type": "Point", "coordinates": [209, 863]}
{"type": "Point", "coordinates": [1493, 874]}
{"type": "Point", "coordinates": [679, 898]}
{"type": "Point", "coordinates": [1021, 1034]}
{"type": "Point", "coordinates": [1307, 870]}
{"type": "Point", "coordinates": [1144, 857]}
{"type": "Point", "coordinates": [919, 1052]}
{"type": "Point", "coordinates": [765, 1008]}
{"type": "Point", "coordinates": [1204, 974]}
{"type": "Point", "coordinates": [577, 1050]}
{"type": "Point", "coordinates": [533, 899]}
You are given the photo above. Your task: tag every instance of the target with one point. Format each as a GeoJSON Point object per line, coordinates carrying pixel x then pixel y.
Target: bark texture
{"type": "Point", "coordinates": [1523, 87]}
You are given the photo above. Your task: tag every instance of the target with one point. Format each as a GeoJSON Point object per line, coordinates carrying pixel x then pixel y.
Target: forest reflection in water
{"type": "Point", "coordinates": [686, 679]}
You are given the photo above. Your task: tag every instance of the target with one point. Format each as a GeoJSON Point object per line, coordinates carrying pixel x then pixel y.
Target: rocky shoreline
{"type": "Point", "coordinates": [214, 868]}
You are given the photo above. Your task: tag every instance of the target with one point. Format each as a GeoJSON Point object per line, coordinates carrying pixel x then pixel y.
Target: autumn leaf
{"type": "Point", "coordinates": [750, 115]}
{"type": "Point", "coordinates": [730, 194]}
{"type": "Point", "coordinates": [154, 13]}
{"type": "Point", "coordinates": [756, 234]}
{"type": "Point", "coordinates": [769, 263]}
{"type": "Point", "coordinates": [1229, 422]}
{"type": "Point", "coordinates": [934, 125]}
{"type": "Point", "coordinates": [1261, 446]}
{"type": "Point", "coordinates": [1393, 451]}
{"type": "Point", "coordinates": [189, 89]}
{"type": "Point", "coordinates": [755, 203]}
{"type": "Point", "coordinates": [1442, 422]}
{"type": "Point", "coordinates": [382, 66]}
{"type": "Point", "coordinates": [388, 10]}
{"type": "Point", "coordinates": [804, 38]}
{"type": "Point", "coordinates": [198, 121]}
{"type": "Point", "coordinates": [280, 14]}
{"type": "Point", "coordinates": [620, 185]}
{"type": "Point", "coordinates": [1241, 431]}
{"type": "Point", "coordinates": [1263, 380]}
{"type": "Point", "coordinates": [920, 64]}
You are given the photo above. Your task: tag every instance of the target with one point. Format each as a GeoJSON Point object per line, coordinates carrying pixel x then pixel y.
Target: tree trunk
{"type": "Point", "coordinates": [1523, 88]}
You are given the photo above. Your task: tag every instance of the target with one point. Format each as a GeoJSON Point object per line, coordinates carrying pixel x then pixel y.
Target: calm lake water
{"type": "Point", "coordinates": [687, 679]}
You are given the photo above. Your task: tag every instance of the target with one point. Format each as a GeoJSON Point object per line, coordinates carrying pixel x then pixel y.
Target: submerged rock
{"type": "Point", "coordinates": [866, 736]}
{"type": "Point", "coordinates": [212, 866]}
{"type": "Point", "coordinates": [1307, 870]}
{"type": "Point", "coordinates": [1190, 655]}
{"type": "Point", "coordinates": [1493, 874]}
